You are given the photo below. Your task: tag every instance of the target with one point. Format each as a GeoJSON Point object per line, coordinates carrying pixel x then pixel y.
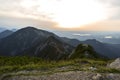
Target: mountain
{"type": "Point", "coordinates": [14, 30]}
{"type": "Point", "coordinates": [105, 49]}
{"type": "Point", "coordinates": [2, 29]}
{"type": "Point", "coordinates": [84, 51]}
{"type": "Point", "coordinates": [5, 33]}
{"type": "Point", "coordinates": [73, 42]}
{"type": "Point", "coordinates": [52, 48]}
{"type": "Point", "coordinates": [34, 41]}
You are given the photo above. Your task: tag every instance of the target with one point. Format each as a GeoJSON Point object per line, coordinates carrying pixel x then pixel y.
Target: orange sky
{"type": "Point", "coordinates": [106, 25]}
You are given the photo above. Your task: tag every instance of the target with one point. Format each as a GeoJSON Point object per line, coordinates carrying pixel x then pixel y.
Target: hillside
{"type": "Point", "coordinates": [52, 49]}
{"type": "Point", "coordinates": [84, 51]}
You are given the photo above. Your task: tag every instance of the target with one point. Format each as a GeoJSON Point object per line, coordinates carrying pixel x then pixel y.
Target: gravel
{"type": "Point", "coordinates": [71, 75]}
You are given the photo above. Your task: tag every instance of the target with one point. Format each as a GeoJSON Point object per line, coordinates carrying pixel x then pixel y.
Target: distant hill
{"type": "Point", "coordinates": [2, 29]}
{"type": "Point", "coordinates": [105, 49]}
{"type": "Point", "coordinates": [108, 50]}
{"type": "Point", "coordinates": [5, 33]}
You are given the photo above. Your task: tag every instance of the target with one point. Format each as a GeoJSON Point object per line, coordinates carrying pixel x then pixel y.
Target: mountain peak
{"type": "Point", "coordinates": [24, 39]}
{"type": "Point", "coordinates": [29, 28]}
{"type": "Point", "coordinates": [33, 30]}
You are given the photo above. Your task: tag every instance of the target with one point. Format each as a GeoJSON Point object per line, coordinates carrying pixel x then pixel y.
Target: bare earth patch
{"type": "Point", "coordinates": [71, 75]}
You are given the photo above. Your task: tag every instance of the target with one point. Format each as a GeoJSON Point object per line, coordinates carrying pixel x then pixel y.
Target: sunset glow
{"type": "Point", "coordinates": [93, 15]}
{"type": "Point", "coordinates": [69, 13]}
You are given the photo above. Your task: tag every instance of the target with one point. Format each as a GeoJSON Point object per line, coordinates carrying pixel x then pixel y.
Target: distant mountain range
{"type": "Point", "coordinates": [112, 37]}
{"type": "Point", "coordinates": [5, 33]}
{"type": "Point", "coordinates": [108, 50]}
{"type": "Point", "coordinates": [2, 29]}
{"type": "Point", "coordinates": [35, 42]}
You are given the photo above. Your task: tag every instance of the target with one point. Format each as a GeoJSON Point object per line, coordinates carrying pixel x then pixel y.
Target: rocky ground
{"type": "Point", "coordinates": [78, 70]}
{"type": "Point", "coordinates": [71, 75]}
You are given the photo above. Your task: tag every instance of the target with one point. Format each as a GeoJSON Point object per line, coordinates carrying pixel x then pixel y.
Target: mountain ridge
{"type": "Point", "coordinates": [31, 38]}
{"type": "Point", "coordinates": [27, 38]}
{"type": "Point", "coordinates": [5, 33]}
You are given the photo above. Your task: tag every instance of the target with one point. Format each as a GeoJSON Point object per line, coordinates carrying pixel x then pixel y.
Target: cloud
{"type": "Point", "coordinates": [82, 35]}
{"type": "Point", "coordinates": [12, 22]}
{"type": "Point", "coordinates": [15, 8]}
{"type": "Point", "coordinates": [114, 6]}
{"type": "Point", "coordinates": [108, 37]}
{"type": "Point", "coordinates": [20, 13]}
{"type": "Point", "coordinates": [14, 14]}
{"type": "Point", "coordinates": [111, 2]}
{"type": "Point", "coordinates": [106, 25]}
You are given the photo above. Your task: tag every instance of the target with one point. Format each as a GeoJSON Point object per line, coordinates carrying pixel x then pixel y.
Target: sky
{"type": "Point", "coordinates": [85, 15]}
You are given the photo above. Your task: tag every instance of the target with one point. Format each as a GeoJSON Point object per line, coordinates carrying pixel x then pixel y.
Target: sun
{"type": "Point", "coordinates": [70, 13]}
{"type": "Point", "coordinates": [76, 13]}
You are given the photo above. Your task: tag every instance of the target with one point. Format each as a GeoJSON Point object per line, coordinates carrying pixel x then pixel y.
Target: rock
{"type": "Point", "coordinates": [112, 76]}
{"type": "Point", "coordinates": [92, 68]}
{"type": "Point", "coordinates": [71, 75]}
{"type": "Point", "coordinates": [115, 64]}
{"type": "Point", "coordinates": [97, 77]}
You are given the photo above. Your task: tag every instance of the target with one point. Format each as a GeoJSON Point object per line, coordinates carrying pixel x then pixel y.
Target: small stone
{"type": "Point", "coordinates": [97, 76]}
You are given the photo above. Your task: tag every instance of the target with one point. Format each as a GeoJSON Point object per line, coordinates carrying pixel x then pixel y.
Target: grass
{"type": "Point", "coordinates": [15, 64]}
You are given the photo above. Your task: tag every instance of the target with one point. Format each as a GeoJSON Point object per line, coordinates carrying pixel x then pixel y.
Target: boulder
{"type": "Point", "coordinates": [115, 64]}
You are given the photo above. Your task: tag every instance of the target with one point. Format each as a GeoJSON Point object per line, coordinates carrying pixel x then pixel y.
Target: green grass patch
{"type": "Point", "coordinates": [20, 63]}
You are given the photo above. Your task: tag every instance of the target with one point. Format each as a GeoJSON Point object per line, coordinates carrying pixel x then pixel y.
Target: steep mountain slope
{"type": "Point", "coordinates": [5, 33]}
{"type": "Point", "coordinates": [23, 39]}
{"type": "Point", "coordinates": [52, 48]}
{"type": "Point", "coordinates": [18, 41]}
